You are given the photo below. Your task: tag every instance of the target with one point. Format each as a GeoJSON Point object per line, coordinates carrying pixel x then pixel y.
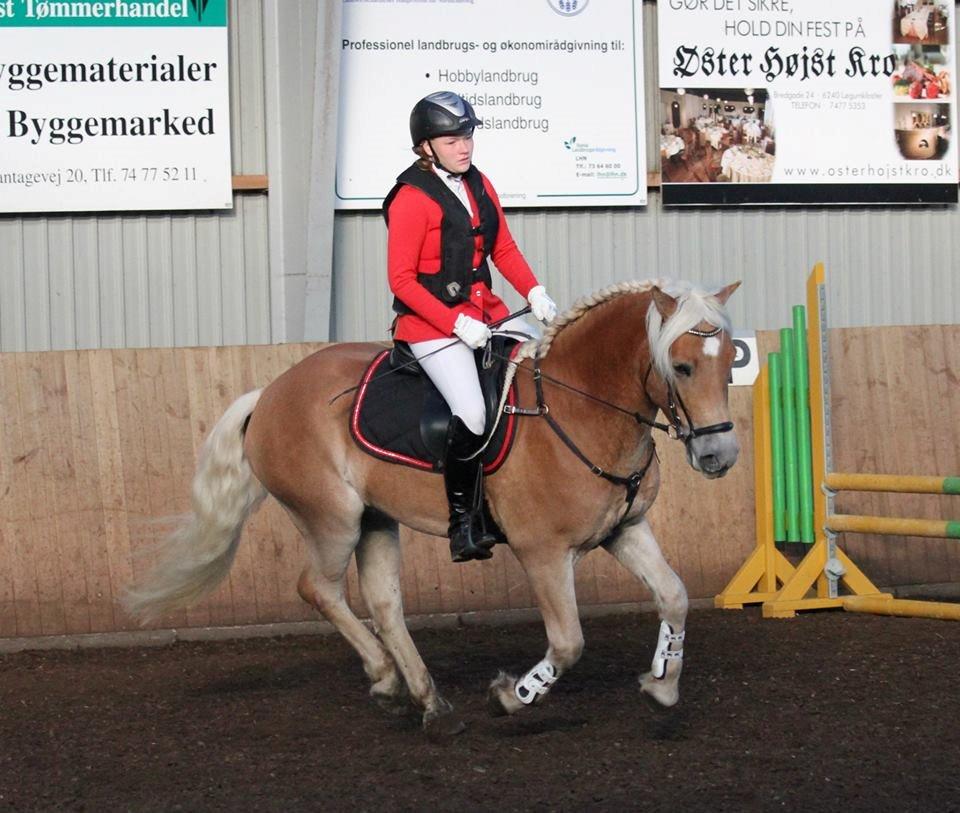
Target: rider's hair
{"type": "Point", "coordinates": [424, 161]}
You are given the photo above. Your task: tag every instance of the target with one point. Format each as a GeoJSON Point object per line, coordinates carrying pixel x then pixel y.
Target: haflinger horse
{"type": "Point", "coordinates": [582, 473]}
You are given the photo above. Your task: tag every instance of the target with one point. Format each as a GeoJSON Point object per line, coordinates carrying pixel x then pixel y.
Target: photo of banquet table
{"type": "Point", "coordinates": [921, 21]}
{"type": "Point", "coordinates": [670, 146]}
{"type": "Point", "coordinates": [747, 164]}
{"type": "Point", "coordinates": [736, 147]}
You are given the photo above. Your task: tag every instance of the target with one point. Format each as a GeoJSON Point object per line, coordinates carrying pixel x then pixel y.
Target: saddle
{"type": "Point", "coordinates": [398, 415]}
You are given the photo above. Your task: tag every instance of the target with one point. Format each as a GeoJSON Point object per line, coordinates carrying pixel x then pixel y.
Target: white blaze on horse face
{"type": "Point", "coordinates": [711, 346]}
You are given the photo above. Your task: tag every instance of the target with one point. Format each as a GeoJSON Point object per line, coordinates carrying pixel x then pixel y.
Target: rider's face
{"type": "Point", "coordinates": [454, 152]}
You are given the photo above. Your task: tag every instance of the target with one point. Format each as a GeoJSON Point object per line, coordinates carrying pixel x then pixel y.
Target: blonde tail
{"type": "Point", "coordinates": [197, 556]}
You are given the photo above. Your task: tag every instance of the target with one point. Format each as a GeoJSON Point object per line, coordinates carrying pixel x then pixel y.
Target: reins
{"type": "Point", "coordinates": [675, 429]}
{"type": "Point", "coordinates": [630, 482]}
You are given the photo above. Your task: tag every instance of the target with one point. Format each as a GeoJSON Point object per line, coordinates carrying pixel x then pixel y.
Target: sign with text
{"type": "Point", "coordinates": [558, 85]}
{"type": "Point", "coordinates": [746, 364]}
{"type": "Point", "coordinates": [807, 101]}
{"type": "Point", "coordinates": [111, 105]}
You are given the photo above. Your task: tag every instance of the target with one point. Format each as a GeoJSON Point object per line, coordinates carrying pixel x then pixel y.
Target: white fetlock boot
{"type": "Point", "coordinates": [536, 682]}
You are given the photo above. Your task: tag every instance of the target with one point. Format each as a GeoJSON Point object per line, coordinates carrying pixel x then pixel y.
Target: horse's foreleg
{"type": "Point", "coordinates": [637, 550]}
{"type": "Point", "coordinates": [378, 562]}
{"type": "Point", "coordinates": [551, 580]}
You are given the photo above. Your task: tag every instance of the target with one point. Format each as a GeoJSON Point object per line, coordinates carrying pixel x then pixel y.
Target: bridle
{"type": "Point", "coordinates": [675, 429]}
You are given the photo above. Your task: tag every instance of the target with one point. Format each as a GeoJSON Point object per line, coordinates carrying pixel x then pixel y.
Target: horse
{"type": "Point", "coordinates": [581, 474]}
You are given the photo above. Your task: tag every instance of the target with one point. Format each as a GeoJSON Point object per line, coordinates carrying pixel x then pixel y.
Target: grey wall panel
{"type": "Point", "coordinates": [302, 49]}
{"type": "Point", "coordinates": [136, 280]}
{"type": "Point", "coordinates": [131, 280]}
{"type": "Point", "coordinates": [884, 266]}
{"type": "Point", "coordinates": [361, 298]}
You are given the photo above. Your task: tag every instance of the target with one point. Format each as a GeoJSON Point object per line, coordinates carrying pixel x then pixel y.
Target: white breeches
{"type": "Point", "coordinates": [454, 373]}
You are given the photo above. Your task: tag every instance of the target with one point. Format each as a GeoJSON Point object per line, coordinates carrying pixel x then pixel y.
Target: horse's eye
{"type": "Point", "coordinates": [683, 369]}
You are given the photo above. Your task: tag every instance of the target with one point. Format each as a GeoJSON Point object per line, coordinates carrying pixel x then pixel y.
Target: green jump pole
{"type": "Point", "coordinates": [776, 451]}
{"type": "Point", "coordinates": [791, 478]}
{"type": "Point", "coordinates": [804, 449]}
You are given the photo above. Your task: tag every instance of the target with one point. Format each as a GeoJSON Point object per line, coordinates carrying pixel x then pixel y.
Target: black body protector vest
{"type": "Point", "coordinates": [457, 274]}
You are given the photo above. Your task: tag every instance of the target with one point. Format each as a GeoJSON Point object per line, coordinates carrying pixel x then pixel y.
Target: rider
{"type": "Point", "coordinates": [444, 220]}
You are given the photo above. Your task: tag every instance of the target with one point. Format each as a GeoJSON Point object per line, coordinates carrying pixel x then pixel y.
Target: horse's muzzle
{"type": "Point", "coordinates": [714, 455]}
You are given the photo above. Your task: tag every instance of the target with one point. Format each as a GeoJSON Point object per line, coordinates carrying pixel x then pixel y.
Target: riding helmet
{"type": "Point", "coordinates": [441, 114]}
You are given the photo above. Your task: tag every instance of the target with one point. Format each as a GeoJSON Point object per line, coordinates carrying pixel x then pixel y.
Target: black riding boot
{"type": "Point", "coordinates": [464, 482]}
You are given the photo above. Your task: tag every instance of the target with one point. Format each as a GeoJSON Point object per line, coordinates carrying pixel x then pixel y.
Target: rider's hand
{"type": "Point", "coordinates": [472, 332]}
{"type": "Point", "coordinates": [541, 305]}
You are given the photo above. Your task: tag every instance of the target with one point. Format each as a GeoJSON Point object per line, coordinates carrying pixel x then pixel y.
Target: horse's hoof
{"type": "Point", "coordinates": [660, 694]}
{"type": "Point", "coordinates": [501, 697]}
{"type": "Point", "coordinates": [441, 722]}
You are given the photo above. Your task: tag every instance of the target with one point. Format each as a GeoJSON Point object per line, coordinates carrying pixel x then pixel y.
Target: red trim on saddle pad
{"type": "Point", "coordinates": [391, 456]}
{"type": "Point", "coordinates": [366, 445]}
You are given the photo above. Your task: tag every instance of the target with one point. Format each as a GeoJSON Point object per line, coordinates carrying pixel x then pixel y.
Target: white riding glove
{"type": "Point", "coordinates": [472, 332]}
{"type": "Point", "coordinates": [541, 305]}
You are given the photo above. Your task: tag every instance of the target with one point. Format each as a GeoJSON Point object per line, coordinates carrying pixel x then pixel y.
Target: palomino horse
{"type": "Point", "coordinates": [599, 376]}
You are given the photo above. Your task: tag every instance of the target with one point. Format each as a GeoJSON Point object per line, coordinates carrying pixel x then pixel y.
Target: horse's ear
{"type": "Point", "coordinates": [665, 303]}
{"type": "Point", "coordinates": [724, 293]}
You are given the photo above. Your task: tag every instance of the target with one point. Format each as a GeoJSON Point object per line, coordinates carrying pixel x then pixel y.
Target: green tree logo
{"type": "Point", "coordinates": [199, 6]}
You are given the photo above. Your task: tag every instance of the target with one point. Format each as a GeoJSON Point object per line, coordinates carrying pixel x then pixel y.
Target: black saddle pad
{"type": "Point", "coordinates": [385, 419]}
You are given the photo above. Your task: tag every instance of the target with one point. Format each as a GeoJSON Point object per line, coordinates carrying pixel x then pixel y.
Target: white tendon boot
{"type": "Point", "coordinates": [657, 684]}
{"type": "Point", "coordinates": [664, 653]}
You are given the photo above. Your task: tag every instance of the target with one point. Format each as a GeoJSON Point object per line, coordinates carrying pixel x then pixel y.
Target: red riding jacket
{"type": "Point", "coordinates": [413, 246]}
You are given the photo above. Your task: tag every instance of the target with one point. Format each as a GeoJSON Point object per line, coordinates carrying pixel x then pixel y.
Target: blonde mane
{"type": "Point", "coordinates": [694, 305]}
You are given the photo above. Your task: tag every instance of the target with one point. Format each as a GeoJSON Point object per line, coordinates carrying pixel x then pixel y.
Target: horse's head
{"type": "Point", "coordinates": [692, 354]}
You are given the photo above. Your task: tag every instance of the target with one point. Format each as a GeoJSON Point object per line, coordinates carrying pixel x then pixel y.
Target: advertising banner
{"type": "Point", "coordinates": [112, 105]}
{"type": "Point", "coordinates": [558, 85]}
{"type": "Point", "coordinates": [807, 101]}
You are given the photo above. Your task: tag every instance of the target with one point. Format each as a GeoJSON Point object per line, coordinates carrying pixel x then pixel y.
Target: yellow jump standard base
{"type": "Point", "coordinates": [809, 576]}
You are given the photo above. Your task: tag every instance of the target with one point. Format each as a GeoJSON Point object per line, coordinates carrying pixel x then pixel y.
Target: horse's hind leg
{"type": "Point", "coordinates": [551, 577]}
{"type": "Point", "coordinates": [637, 550]}
{"type": "Point", "coordinates": [378, 562]}
{"type": "Point", "coordinates": [321, 584]}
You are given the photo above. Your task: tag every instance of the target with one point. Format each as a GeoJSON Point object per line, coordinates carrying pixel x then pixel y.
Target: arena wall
{"type": "Point", "coordinates": [97, 447]}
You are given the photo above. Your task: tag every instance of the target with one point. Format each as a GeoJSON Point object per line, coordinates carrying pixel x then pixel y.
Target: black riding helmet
{"type": "Point", "coordinates": [441, 114]}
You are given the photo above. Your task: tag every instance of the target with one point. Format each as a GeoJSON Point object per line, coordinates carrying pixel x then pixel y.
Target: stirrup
{"type": "Point", "coordinates": [470, 552]}
{"type": "Point", "coordinates": [469, 548]}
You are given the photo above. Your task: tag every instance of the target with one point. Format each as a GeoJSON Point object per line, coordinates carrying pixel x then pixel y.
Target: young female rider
{"type": "Point", "coordinates": [444, 220]}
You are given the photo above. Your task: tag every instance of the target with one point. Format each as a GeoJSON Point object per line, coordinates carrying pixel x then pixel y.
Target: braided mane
{"type": "Point", "coordinates": [695, 305]}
